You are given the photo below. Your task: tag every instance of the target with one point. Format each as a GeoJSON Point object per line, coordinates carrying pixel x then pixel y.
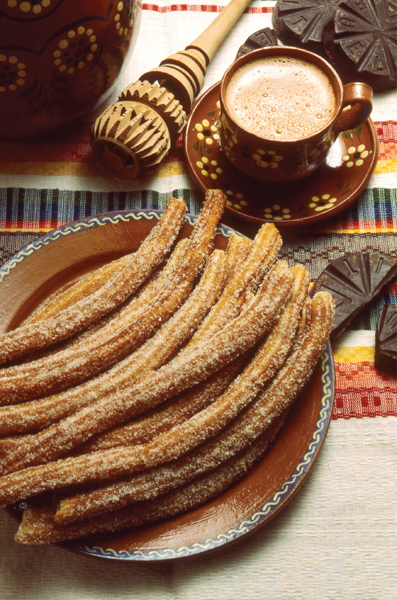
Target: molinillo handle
{"type": "Point", "coordinates": [133, 135]}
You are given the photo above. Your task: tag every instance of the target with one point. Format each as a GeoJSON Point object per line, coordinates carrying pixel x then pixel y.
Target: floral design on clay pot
{"type": "Point", "coordinates": [235, 200]}
{"type": "Point", "coordinates": [34, 8]}
{"type": "Point", "coordinates": [207, 134]}
{"type": "Point", "coordinates": [75, 49]}
{"type": "Point", "coordinates": [60, 59]}
{"type": "Point", "coordinates": [321, 147]}
{"type": "Point", "coordinates": [12, 73]}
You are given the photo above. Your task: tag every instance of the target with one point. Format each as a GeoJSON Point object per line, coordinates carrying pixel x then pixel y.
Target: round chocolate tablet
{"type": "Point", "coordinates": [301, 22]}
{"type": "Point", "coordinates": [353, 280]}
{"type": "Point", "coordinates": [259, 39]}
{"type": "Point", "coordinates": [386, 340]}
{"type": "Point", "coordinates": [360, 40]}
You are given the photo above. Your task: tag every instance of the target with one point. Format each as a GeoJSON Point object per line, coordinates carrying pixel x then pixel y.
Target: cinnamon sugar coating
{"type": "Point", "coordinates": [264, 418]}
{"type": "Point", "coordinates": [151, 355]}
{"type": "Point", "coordinates": [181, 440]}
{"type": "Point", "coordinates": [116, 290]}
{"type": "Point", "coordinates": [187, 369]}
{"type": "Point", "coordinates": [39, 527]}
{"type": "Point", "coordinates": [136, 323]}
{"type": "Point", "coordinates": [191, 407]}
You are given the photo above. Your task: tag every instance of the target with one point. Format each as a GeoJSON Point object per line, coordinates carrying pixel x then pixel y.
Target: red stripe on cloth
{"type": "Point", "coordinates": [368, 403]}
{"type": "Point", "coordinates": [363, 391]}
{"type": "Point", "coordinates": [200, 8]}
{"type": "Point", "coordinates": [387, 131]}
{"type": "Point", "coordinates": [75, 146]}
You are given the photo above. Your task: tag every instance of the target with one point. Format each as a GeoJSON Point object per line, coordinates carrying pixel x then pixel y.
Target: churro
{"type": "Point", "coordinates": [39, 527]}
{"type": "Point", "coordinates": [263, 254]}
{"type": "Point", "coordinates": [124, 282]}
{"type": "Point", "coordinates": [167, 415]}
{"type": "Point", "coordinates": [151, 355]}
{"type": "Point", "coordinates": [181, 440]}
{"type": "Point", "coordinates": [261, 368]}
{"type": "Point", "coordinates": [187, 369]}
{"type": "Point", "coordinates": [75, 291]}
{"type": "Point", "coordinates": [120, 336]}
{"type": "Point", "coordinates": [270, 405]}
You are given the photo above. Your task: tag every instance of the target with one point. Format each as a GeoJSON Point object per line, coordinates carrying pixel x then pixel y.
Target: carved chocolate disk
{"type": "Point", "coordinates": [301, 22]}
{"type": "Point", "coordinates": [360, 41]}
{"type": "Point", "coordinates": [354, 280]}
{"type": "Point", "coordinates": [259, 39]}
{"type": "Point", "coordinates": [386, 340]}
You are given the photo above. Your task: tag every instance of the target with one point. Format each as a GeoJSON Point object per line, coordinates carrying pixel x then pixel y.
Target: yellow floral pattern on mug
{"type": "Point", "coordinates": [266, 159]}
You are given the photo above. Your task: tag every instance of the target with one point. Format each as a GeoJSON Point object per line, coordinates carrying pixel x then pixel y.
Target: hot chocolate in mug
{"type": "Point", "coordinates": [282, 109]}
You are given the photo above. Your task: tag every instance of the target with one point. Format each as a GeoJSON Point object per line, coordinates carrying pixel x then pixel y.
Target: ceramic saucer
{"type": "Point", "coordinates": [333, 187]}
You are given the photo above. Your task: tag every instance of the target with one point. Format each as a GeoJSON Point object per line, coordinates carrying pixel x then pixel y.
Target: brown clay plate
{"type": "Point", "coordinates": [53, 260]}
{"type": "Point", "coordinates": [332, 188]}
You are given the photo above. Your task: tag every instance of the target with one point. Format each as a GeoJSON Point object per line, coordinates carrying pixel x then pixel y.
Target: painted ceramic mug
{"type": "Point", "coordinates": [282, 109]}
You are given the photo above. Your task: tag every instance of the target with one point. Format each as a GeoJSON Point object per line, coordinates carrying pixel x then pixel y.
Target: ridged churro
{"type": "Point", "coordinates": [167, 415]}
{"type": "Point", "coordinates": [43, 412]}
{"type": "Point", "coordinates": [164, 401]}
{"type": "Point", "coordinates": [183, 439]}
{"type": "Point", "coordinates": [261, 368]}
{"type": "Point", "coordinates": [116, 290]}
{"type": "Point", "coordinates": [263, 254]}
{"type": "Point", "coordinates": [187, 369]}
{"type": "Point", "coordinates": [151, 355]}
{"type": "Point", "coordinates": [242, 253]}
{"type": "Point", "coordinates": [75, 291]}
{"type": "Point", "coordinates": [120, 336]}
{"type": "Point", "coordinates": [39, 527]}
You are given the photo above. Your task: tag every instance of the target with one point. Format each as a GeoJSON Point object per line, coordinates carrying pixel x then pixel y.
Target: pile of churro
{"type": "Point", "coordinates": [152, 384]}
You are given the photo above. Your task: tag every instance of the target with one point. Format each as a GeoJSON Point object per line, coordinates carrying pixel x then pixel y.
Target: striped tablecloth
{"type": "Point", "coordinates": [337, 538]}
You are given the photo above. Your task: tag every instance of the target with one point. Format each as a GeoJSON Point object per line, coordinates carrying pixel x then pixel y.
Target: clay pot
{"type": "Point", "coordinates": [60, 59]}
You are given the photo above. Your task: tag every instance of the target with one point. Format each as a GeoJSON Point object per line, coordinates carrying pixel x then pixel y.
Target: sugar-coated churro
{"type": "Point", "coordinates": [120, 336]}
{"type": "Point", "coordinates": [39, 527]}
{"type": "Point", "coordinates": [263, 254]}
{"type": "Point", "coordinates": [75, 291]}
{"type": "Point", "coordinates": [167, 415]}
{"type": "Point", "coordinates": [256, 419]}
{"type": "Point", "coordinates": [115, 291]}
{"type": "Point", "coordinates": [271, 405]}
{"type": "Point", "coordinates": [261, 368]}
{"type": "Point", "coordinates": [238, 251]}
{"type": "Point", "coordinates": [186, 370]}
{"type": "Point", "coordinates": [151, 355]}
{"type": "Point", "coordinates": [182, 439]}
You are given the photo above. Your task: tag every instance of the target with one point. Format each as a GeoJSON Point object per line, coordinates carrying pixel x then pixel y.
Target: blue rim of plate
{"type": "Point", "coordinates": [91, 222]}
{"type": "Point", "coordinates": [279, 498]}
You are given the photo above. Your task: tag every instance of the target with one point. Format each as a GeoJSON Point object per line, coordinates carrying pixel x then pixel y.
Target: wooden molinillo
{"type": "Point", "coordinates": [134, 135]}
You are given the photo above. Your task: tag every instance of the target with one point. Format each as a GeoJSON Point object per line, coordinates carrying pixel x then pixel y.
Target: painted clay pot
{"type": "Point", "coordinates": [60, 59]}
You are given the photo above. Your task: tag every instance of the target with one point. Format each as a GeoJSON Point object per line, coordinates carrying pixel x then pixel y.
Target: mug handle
{"type": "Point", "coordinates": [356, 106]}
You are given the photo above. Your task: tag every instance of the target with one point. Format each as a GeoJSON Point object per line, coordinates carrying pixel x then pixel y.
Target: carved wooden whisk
{"type": "Point", "coordinates": [133, 135]}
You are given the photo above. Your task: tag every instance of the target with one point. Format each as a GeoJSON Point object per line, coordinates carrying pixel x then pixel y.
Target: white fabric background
{"type": "Point", "coordinates": [336, 539]}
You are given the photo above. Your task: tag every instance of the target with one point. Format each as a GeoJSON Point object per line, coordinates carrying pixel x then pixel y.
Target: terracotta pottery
{"type": "Point", "coordinates": [43, 267]}
{"type": "Point", "coordinates": [276, 155]}
{"type": "Point", "coordinates": [59, 59]}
